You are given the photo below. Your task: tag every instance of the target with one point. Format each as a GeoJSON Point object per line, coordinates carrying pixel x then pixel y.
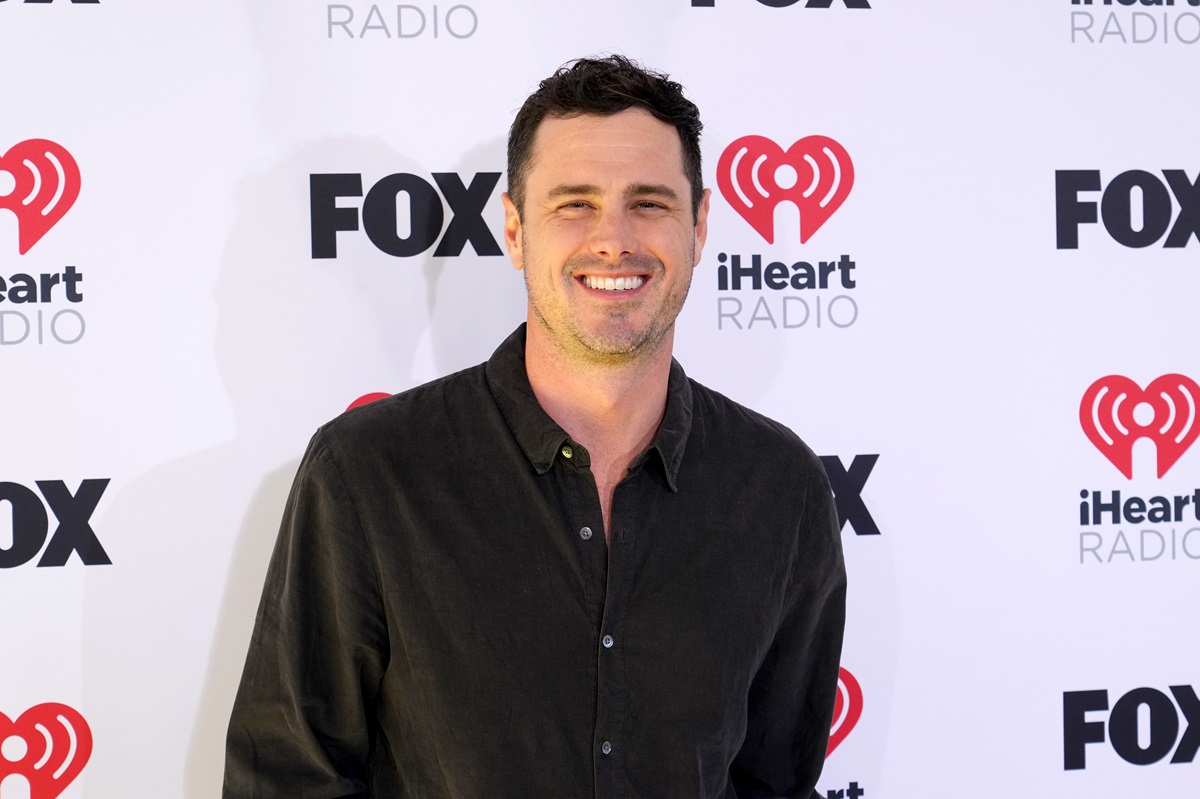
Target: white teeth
{"type": "Point", "coordinates": [614, 283]}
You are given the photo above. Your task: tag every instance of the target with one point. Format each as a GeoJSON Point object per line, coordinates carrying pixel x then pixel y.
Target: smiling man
{"type": "Point", "coordinates": [570, 571]}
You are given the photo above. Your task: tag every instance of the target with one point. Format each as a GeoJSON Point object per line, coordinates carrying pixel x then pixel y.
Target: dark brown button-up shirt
{"type": "Point", "coordinates": [442, 618]}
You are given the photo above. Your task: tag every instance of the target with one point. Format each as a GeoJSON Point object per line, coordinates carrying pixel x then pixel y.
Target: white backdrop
{"type": "Point", "coordinates": [208, 343]}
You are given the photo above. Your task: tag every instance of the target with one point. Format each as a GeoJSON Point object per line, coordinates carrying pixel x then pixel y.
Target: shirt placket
{"type": "Point", "coordinates": [587, 523]}
{"type": "Point", "coordinates": [611, 666]}
{"type": "Point", "coordinates": [604, 569]}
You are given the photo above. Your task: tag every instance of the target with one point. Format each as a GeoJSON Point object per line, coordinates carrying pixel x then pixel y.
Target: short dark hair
{"type": "Point", "coordinates": [605, 86]}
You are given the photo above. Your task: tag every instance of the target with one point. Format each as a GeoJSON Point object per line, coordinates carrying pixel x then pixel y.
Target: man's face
{"type": "Point", "coordinates": [606, 236]}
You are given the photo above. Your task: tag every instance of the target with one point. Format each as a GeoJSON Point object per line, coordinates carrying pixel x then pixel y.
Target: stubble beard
{"type": "Point", "coordinates": [612, 342]}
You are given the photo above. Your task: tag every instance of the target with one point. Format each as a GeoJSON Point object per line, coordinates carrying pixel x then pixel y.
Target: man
{"type": "Point", "coordinates": [570, 571]}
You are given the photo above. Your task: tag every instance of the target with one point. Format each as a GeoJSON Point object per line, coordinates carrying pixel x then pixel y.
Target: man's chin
{"type": "Point", "coordinates": [616, 347]}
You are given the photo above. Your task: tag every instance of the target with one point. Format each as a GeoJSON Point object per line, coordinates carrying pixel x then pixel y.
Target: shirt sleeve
{"type": "Point", "coordinates": [791, 700]}
{"type": "Point", "coordinates": [300, 725]}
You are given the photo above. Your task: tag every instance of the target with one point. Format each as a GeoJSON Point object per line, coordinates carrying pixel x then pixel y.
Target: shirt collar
{"type": "Point", "coordinates": [542, 440]}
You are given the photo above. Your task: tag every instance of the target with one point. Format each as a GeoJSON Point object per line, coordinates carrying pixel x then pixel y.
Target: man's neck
{"type": "Point", "coordinates": [612, 409]}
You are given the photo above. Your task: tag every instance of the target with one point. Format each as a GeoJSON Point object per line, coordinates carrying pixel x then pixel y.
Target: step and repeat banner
{"type": "Point", "coordinates": [955, 246]}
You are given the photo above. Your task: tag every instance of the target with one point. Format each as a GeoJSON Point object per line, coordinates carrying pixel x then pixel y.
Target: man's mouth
{"type": "Point", "coordinates": [613, 283]}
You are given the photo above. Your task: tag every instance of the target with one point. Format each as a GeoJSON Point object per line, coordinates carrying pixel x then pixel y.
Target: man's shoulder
{"type": "Point", "coordinates": [731, 416]}
{"type": "Point", "coordinates": [726, 423]}
{"type": "Point", "coordinates": [426, 407]}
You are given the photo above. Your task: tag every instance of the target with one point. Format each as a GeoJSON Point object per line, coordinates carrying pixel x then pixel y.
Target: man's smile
{"type": "Point", "coordinates": [603, 283]}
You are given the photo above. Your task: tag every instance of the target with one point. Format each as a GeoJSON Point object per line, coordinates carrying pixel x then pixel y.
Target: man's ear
{"type": "Point", "coordinates": [702, 225]}
{"type": "Point", "coordinates": [512, 231]}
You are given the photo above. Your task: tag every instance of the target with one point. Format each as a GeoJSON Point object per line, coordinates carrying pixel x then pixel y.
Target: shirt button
{"type": "Point", "coordinates": [606, 747]}
{"type": "Point", "coordinates": [608, 642]}
{"type": "Point", "coordinates": [567, 451]}
{"type": "Point", "coordinates": [585, 533]}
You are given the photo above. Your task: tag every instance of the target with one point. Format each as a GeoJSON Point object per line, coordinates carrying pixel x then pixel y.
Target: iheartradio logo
{"type": "Point", "coordinates": [1116, 412]}
{"type": "Point", "coordinates": [39, 181]}
{"type": "Point", "coordinates": [46, 748]}
{"type": "Point", "coordinates": [755, 175]}
{"type": "Point", "coordinates": [847, 709]}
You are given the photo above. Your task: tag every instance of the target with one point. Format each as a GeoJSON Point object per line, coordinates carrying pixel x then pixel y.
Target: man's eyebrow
{"type": "Point", "coordinates": [652, 190]}
{"type": "Point", "coordinates": [576, 190]}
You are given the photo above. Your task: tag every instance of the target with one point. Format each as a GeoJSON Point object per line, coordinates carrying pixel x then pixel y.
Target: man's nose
{"type": "Point", "coordinates": [613, 236]}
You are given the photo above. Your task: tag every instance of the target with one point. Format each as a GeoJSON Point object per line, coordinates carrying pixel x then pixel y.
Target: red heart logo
{"type": "Point", "coordinates": [1109, 415]}
{"type": "Point", "coordinates": [48, 745]}
{"type": "Point", "coordinates": [367, 399]}
{"type": "Point", "coordinates": [847, 709]}
{"type": "Point", "coordinates": [755, 175]}
{"type": "Point", "coordinates": [47, 183]}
